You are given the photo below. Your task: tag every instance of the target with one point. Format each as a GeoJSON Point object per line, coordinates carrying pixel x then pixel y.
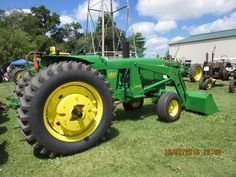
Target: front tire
{"type": "Point", "coordinates": [232, 86]}
{"type": "Point", "coordinates": [66, 108]}
{"type": "Point", "coordinates": [207, 85]}
{"type": "Point", "coordinates": [201, 83]}
{"type": "Point", "coordinates": [169, 107]}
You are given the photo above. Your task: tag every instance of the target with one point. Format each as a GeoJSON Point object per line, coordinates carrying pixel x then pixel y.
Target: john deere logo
{"type": "Point", "coordinates": [112, 75]}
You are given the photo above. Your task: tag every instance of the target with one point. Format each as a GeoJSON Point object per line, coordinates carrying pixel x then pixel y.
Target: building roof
{"type": "Point", "coordinates": [207, 36]}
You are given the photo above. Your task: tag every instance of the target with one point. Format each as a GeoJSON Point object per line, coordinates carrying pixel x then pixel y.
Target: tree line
{"type": "Point", "coordinates": [22, 32]}
{"type": "Point", "coordinates": [39, 29]}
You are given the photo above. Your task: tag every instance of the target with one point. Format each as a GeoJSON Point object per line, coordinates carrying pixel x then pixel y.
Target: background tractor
{"type": "Point", "coordinates": [16, 69]}
{"type": "Point", "coordinates": [67, 105]}
{"type": "Point", "coordinates": [232, 86]}
{"type": "Point", "coordinates": [213, 71]}
{"type": "Point", "coordinates": [193, 71]}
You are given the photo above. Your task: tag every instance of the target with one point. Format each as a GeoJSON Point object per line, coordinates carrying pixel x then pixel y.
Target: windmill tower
{"type": "Point", "coordinates": [95, 44]}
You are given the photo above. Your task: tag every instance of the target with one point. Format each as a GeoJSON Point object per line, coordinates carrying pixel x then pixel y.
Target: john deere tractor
{"type": "Point", "coordinates": [67, 105]}
{"type": "Point", "coordinates": [193, 71]}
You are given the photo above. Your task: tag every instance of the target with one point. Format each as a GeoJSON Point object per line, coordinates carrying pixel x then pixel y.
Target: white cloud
{"type": "Point", "coordinates": [8, 12]}
{"type": "Point", "coordinates": [177, 38]}
{"type": "Point", "coordinates": [82, 9]}
{"type": "Point", "coordinates": [156, 46]}
{"type": "Point", "coordinates": [65, 19]}
{"type": "Point", "coordinates": [227, 22]}
{"type": "Point", "coordinates": [146, 28]}
{"type": "Point", "coordinates": [153, 43]}
{"type": "Point", "coordinates": [165, 26]}
{"type": "Point", "coordinates": [26, 10]}
{"type": "Point", "coordinates": [156, 41]}
{"type": "Point", "coordinates": [183, 9]}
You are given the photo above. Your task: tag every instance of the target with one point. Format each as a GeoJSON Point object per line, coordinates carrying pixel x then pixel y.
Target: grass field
{"type": "Point", "coordinates": [136, 146]}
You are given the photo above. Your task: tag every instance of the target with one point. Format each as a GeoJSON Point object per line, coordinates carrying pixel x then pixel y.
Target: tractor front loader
{"type": "Point", "coordinates": [67, 107]}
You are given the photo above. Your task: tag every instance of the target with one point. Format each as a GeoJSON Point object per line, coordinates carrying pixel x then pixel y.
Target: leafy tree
{"type": "Point", "coordinates": [13, 20]}
{"type": "Point", "coordinates": [46, 20]}
{"type": "Point", "coordinates": [13, 44]}
{"type": "Point", "coordinates": [30, 25]}
{"type": "Point", "coordinates": [108, 33]}
{"type": "Point", "coordinates": [68, 32]}
{"type": "Point", "coordinates": [74, 42]}
{"type": "Point", "coordinates": [74, 30]}
{"type": "Point", "coordinates": [75, 46]}
{"type": "Point", "coordinates": [22, 32]}
{"type": "Point", "coordinates": [42, 42]}
{"type": "Point", "coordinates": [59, 35]}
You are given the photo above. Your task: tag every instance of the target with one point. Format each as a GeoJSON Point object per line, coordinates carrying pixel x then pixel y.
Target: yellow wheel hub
{"type": "Point", "coordinates": [173, 107]}
{"type": "Point", "coordinates": [209, 86]}
{"type": "Point", "coordinates": [73, 111]}
{"type": "Point", "coordinates": [17, 76]}
{"type": "Point", "coordinates": [198, 73]}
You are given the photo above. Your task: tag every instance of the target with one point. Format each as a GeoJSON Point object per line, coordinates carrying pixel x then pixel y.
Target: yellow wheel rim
{"type": "Point", "coordinates": [198, 73]}
{"type": "Point", "coordinates": [73, 111]}
{"type": "Point", "coordinates": [17, 76]}
{"type": "Point", "coordinates": [208, 86]}
{"type": "Point", "coordinates": [173, 108]}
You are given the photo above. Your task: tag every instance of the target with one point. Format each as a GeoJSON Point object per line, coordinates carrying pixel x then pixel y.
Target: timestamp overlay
{"type": "Point", "coordinates": [193, 152]}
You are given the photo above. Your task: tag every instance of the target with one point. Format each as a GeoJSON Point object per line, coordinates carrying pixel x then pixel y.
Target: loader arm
{"type": "Point", "coordinates": [192, 101]}
{"type": "Point", "coordinates": [173, 75]}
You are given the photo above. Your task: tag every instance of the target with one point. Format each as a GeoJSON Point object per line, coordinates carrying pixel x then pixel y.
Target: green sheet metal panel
{"type": "Point", "coordinates": [201, 102]}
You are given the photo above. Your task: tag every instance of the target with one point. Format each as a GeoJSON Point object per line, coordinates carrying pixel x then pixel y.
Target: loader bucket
{"type": "Point", "coordinates": [201, 102]}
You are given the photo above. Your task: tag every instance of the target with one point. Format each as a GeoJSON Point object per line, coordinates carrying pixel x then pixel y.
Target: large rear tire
{"type": "Point", "coordinates": [169, 107]}
{"type": "Point", "coordinates": [195, 73]}
{"type": "Point", "coordinates": [66, 108]}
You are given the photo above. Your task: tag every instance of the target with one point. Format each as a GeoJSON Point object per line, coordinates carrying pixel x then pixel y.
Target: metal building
{"type": "Point", "coordinates": [195, 47]}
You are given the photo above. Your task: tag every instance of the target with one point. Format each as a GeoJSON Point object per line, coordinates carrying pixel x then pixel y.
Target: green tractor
{"type": "Point", "coordinates": [193, 71]}
{"type": "Point", "coordinates": [67, 107]}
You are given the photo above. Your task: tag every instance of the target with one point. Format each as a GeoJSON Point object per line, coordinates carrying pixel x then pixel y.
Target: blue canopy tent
{"type": "Point", "coordinates": [21, 62]}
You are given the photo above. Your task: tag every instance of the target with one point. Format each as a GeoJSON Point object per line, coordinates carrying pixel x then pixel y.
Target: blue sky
{"type": "Point", "coordinates": [160, 21]}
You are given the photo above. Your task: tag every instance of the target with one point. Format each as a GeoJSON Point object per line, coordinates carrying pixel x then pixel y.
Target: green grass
{"type": "Point", "coordinates": [136, 145]}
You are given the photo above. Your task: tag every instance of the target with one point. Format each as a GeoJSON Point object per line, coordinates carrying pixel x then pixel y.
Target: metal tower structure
{"type": "Point", "coordinates": [99, 8]}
